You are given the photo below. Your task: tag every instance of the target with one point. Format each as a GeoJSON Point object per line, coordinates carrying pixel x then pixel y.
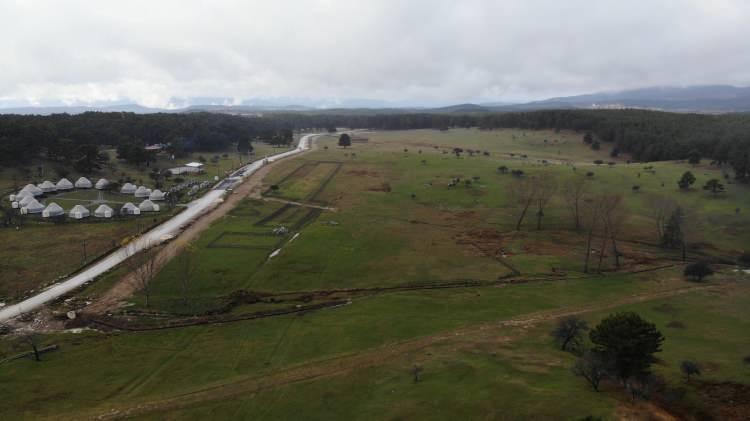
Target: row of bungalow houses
{"type": "Point", "coordinates": [79, 211]}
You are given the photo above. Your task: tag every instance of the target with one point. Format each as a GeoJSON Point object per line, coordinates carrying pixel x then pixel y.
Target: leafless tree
{"type": "Point", "coordinates": [32, 339]}
{"type": "Point", "coordinates": [611, 211]}
{"type": "Point", "coordinates": [569, 330]}
{"type": "Point", "coordinates": [593, 207]}
{"type": "Point", "coordinates": [574, 192]}
{"type": "Point", "coordinates": [546, 188]}
{"type": "Point", "coordinates": [592, 367]}
{"type": "Point", "coordinates": [416, 371]}
{"type": "Point", "coordinates": [616, 220]}
{"type": "Point", "coordinates": [144, 267]}
{"type": "Point", "coordinates": [660, 208]}
{"type": "Point", "coordinates": [524, 193]}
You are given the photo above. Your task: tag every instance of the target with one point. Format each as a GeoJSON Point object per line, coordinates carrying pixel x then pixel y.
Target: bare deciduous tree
{"type": "Point", "coordinates": [524, 193]}
{"type": "Point", "coordinates": [144, 267]}
{"type": "Point", "coordinates": [32, 339]}
{"type": "Point", "coordinates": [616, 219]}
{"type": "Point", "coordinates": [592, 367]}
{"type": "Point", "coordinates": [416, 371]}
{"type": "Point", "coordinates": [569, 330]}
{"type": "Point", "coordinates": [546, 188]}
{"type": "Point", "coordinates": [592, 218]}
{"type": "Point", "coordinates": [611, 214]}
{"type": "Point", "coordinates": [574, 192]}
{"type": "Point", "coordinates": [660, 208]}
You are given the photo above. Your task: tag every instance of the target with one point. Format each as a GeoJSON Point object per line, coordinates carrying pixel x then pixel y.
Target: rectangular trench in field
{"type": "Point", "coordinates": [306, 182]}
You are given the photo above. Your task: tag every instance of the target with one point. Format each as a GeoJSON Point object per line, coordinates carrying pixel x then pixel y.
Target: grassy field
{"type": "Point", "coordinates": [484, 350]}
{"type": "Point", "coordinates": [39, 254]}
{"type": "Point", "coordinates": [383, 236]}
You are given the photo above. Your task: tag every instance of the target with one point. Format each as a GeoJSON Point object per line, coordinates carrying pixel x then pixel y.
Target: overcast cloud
{"type": "Point", "coordinates": [430, 51]}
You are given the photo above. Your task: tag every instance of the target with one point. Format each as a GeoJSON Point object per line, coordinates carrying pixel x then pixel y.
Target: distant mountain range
{"type": "Point", "coordinates": [78, 109]}
{"type": "Point", "coordinates": [708, 99]}
{"type": "Point", "coordinates": [698, 99]}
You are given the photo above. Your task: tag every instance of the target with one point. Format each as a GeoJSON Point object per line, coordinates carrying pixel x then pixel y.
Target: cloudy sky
{"type": "Point", "coordinates": [405, 51]}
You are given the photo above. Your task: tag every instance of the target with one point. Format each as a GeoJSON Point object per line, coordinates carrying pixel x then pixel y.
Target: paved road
{"type": "Point", "coordinates": [157, 235]}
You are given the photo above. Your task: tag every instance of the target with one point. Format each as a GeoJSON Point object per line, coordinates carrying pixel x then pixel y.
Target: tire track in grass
{"type": "Point", "coordinates": [138, 385]}
{"type": "Point", "coordinates": [274, 351]}
{"type": "Point", "coordinates": [342, 364]}
{"type": "Point", "coordinates": [265, 410]}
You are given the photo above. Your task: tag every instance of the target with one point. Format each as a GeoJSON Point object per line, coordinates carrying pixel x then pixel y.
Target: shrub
{"type": "Point", "coordinates": [689, 369]}
{"type": "Point", "coordinates": [744, 259]}
{"type": "Point", "coordinates": [698, 271]}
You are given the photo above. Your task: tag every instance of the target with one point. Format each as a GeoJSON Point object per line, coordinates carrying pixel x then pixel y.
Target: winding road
{"type": "Point", "coordinates": [157, 235]}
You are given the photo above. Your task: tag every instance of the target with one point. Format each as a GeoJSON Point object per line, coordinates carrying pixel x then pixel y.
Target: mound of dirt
{"type": "Point", "coordinates": [479, 235]}
{"type": "Point", "coordinates": [363, 173]}
{"type": "Point", "coordinates": [638, 258]}
{"type": "Point", "coordinates": [715, 401]}
{"type": "Point", "coordinates": [384, 188]}
{"type": "Point", "coordinates": [460, 215]}
{"type": "Point", "coordinates": [727, 400]}
{"type": "Point", "coordinates": [483, 242]}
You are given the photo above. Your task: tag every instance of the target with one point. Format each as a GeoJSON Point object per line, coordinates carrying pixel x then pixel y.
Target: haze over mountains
{"type": "Point", "coordinates": [699, 99]}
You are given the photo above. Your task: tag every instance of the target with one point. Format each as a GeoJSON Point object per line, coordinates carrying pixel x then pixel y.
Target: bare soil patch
{"type": "Point", "coordinates": [716, 401]}
{"type": "Point", "coordinates": [363, 173]}
{"type": "Point", "coordinates": [383, 188]}
{"type": "Point", "coordinates": [731, 401]}
{"type": "Point", "coordinates": [481, 242]}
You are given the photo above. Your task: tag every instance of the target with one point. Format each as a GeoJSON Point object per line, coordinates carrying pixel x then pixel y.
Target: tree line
{"type": "Point", "coordinates": [646, 135]}
{"type": "Point", "coordinates": [76, 139]}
